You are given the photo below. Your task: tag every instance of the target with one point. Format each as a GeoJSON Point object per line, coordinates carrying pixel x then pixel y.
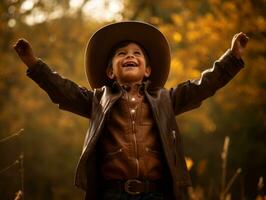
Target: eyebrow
{"type": "Point", "coordinates": [136, 49]}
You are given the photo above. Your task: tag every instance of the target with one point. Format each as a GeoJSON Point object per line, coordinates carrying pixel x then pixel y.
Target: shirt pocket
{"type": "Point", "coordinates": [113, 154]}
{"type": "Point", "coordinates": [152, 152]}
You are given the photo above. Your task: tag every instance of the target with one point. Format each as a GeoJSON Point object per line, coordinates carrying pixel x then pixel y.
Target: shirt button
{"type": "Point", "coordinates": [132, 111]}
{"type": "Point", "coordinates": [133, 99]}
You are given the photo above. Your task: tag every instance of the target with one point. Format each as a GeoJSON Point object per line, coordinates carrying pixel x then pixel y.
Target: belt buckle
{"type": "Point", "coordinates": [128, 186]}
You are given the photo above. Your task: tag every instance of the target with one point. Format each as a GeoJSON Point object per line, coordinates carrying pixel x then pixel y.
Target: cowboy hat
{"type": "Point", "coordinates": [102, 42]}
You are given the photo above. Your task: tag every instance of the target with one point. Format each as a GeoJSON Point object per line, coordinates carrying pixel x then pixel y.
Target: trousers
{"type": "Point", "coordinates": [120, 195]}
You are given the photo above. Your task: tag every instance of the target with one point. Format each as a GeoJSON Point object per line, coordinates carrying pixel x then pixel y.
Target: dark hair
{"type": "Point", "coordinates": [123, 44]}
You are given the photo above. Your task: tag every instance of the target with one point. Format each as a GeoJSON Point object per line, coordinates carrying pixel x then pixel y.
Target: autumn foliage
{"type": "Point", "coordinates": [199, 32]}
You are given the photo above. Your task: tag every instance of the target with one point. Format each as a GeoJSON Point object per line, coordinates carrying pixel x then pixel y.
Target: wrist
{"type": "Point", "coordinates": [31, 61]}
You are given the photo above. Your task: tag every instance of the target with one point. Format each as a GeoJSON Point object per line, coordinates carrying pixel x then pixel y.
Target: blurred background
{"type": "Point", "coordinates": [225, 139]}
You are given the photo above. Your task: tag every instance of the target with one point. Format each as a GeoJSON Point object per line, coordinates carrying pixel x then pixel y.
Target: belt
{"type": "Point", "coordinates": [134, 186]}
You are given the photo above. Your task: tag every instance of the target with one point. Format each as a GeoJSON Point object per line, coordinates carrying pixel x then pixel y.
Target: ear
{"type": "Point", "coordinates": [147, 71]}
{"type": "Point", "coordinates": [110, 73]}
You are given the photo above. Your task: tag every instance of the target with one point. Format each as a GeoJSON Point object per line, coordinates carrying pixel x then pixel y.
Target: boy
{"type": "Point", "coordinates": [133, 148]}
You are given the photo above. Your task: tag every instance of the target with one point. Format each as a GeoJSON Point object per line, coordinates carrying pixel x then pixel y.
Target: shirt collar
{"type": "Point", "coordinates": [142, 87]}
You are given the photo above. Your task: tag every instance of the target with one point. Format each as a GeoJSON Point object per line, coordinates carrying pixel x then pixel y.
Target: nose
{"type": "Point", "coordinates": [130, 55]}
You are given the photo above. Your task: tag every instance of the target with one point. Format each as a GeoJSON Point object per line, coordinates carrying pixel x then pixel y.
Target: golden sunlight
{"type": "Point", "coordinates": [99, 10]}
{"type": "Point", "coordinates": [103, 10]}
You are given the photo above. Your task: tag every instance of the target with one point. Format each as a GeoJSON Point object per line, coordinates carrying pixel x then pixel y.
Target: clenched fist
{"type": "Point", "coordinates": [239, 42]}
{"type": "Point", "coordinates": [25, 52]}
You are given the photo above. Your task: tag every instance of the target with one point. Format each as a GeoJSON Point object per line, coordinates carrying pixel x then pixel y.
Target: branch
{"type": "Point", "coordinates": [8, 167]}
{"type": "Point", "coordinates": [12, 136]}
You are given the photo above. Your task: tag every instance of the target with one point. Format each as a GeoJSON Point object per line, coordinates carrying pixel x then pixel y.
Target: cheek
{"type": "Point", "coordinates": [116, 68]}
{"type": "Point", "coordinates": [143, 61]}
{"type": "Point", "coordinates": [116, 62]}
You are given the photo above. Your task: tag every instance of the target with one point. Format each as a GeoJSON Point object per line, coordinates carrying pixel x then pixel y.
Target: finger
{"type": "Point", "coordinates": [21, 45]}
{"type": "Point", "coordinates": [244, 42]}
{"type": "Point", "coordinates": [246, 36]}
{"type": "Point", "coordinates": [239, 35]}
{"type": "Point", "coordinates": [243, 36]}
{"type": "Point", "coordinates": [16, 47]}
{"type": "Point", "coordinates": [21, 42]}
{"type": "Point", "coordinates": [16, 44]}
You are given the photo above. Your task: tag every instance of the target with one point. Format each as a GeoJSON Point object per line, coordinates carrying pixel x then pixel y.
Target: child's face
{"type": "Point", "coordinates": [129, 65]}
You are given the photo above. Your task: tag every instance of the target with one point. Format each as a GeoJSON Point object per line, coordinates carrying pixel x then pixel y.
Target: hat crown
{"type": "Point", "coordinates": [103, 41]}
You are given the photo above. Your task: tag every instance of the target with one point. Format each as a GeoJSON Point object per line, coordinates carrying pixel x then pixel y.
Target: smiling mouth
{"type": "Point", "coordinates": [130, 64]}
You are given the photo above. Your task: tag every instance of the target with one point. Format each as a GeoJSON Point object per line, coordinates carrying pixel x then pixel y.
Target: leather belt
{"type": "Point", "coordinates": [134, 186]}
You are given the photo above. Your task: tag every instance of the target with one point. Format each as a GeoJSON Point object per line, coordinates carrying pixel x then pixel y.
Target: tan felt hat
{"type": "Point", "coordinates": [103, 41]}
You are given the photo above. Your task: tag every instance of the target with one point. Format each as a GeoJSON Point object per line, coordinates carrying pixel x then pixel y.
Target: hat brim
{"type": "Point", "coordinates": [150, 38]}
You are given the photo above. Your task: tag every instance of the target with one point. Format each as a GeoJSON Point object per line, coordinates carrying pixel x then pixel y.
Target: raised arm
{"type": "Point", "coordinates": [67, 94]}
{"type": "Point", "coordinates": [190, 94]}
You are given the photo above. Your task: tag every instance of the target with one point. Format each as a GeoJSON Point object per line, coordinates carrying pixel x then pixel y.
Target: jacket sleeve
{"type": "Point", "coordinates": [190, 94]}
{"type": "Point", "coordinates": [67, 94]}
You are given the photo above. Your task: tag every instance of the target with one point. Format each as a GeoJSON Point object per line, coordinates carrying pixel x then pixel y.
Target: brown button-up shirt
{"type": "Point", "coordinates": [130, 146]}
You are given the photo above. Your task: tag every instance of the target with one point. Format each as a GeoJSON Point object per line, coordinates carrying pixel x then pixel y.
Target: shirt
{"type": "Point", "coordinates": [130, 145]}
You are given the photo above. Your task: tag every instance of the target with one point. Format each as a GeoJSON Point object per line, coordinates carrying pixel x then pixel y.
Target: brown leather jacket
{"type": "Point", "coordinates": [165, 105]}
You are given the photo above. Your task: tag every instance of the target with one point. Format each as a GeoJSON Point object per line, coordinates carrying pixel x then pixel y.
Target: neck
{"type": "Point", "coordinates": [131, 88]}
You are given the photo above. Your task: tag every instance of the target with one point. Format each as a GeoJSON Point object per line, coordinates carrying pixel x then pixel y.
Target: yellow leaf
{"type": "Point", "coordinates": [177, 37]}
{"type": "Point", "coordinates": [189, 162]}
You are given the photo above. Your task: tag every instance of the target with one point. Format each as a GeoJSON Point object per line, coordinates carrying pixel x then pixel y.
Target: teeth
{"type": "Point", "coordinates": [130, 64]}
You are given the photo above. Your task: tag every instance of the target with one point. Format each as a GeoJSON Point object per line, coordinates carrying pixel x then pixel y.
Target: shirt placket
{"type": "Point", "coordinates": [133, 114]}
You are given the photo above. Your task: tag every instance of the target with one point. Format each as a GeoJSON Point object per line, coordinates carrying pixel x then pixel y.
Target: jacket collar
{"type": "Point", "coordinates": [143, 87]}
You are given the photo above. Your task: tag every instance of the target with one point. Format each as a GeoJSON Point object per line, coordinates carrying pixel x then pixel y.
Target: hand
{"type": "Point", "coordinates": [25, 52]}
{"type": "Point", "coordinates": [239, 42]}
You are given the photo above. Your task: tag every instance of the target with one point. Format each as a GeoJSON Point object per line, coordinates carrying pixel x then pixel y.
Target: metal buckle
{"type": "Point", "coordinates": [128, 186]}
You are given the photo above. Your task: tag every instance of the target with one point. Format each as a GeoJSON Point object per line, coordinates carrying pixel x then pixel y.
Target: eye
{"type": "Point", "coordinates": [137, 53]}
{"type": "Point", "coordinates": [121, 53]}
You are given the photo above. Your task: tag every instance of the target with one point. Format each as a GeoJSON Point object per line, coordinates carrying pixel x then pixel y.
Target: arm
{"type": "Point", "coordinates": [64, 92]}
{"type": "Point", "coordinates": [190, 94]}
